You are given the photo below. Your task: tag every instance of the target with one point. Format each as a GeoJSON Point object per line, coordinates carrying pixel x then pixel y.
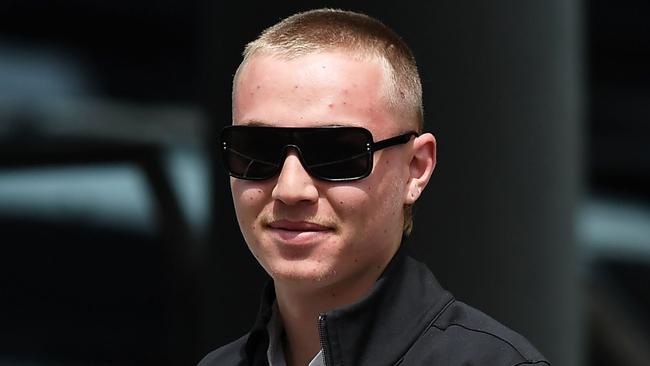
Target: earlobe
{"type": "Point", "coordinates": [421, 166]}
{"type": "Point", "coordinates": [413, 195]}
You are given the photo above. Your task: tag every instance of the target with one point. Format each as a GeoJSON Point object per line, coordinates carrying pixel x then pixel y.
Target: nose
{"type": "Point", "coordinates": [294, 185]}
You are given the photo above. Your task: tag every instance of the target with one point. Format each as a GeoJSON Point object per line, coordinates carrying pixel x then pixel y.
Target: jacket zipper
{"type": "Point", "coordinates": [322, 334]}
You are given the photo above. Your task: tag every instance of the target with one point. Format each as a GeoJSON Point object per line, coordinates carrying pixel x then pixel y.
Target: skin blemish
{"type": "Point", "coordinates": [345, 103]}
{"type": "Point", "coordinates": [356, 260]}
{"type": "Point", "coordinates": [331, 105]}
{"type": "Point", "coordinates": [258, 87]}
{"type": "Point", "coordinates": [341, 202]}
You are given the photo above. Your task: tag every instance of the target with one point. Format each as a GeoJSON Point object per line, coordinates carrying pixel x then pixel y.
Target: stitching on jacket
{"type": "Point", "coordinates": [532, 363]}
{"type": "Point", "coordinates": [527, 362]}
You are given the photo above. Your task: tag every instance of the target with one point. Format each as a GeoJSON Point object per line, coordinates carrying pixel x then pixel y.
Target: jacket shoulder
{"type": "Point", "coordinates": [463, 335]}
{"type": "Point", "coordinates": [230, 354]}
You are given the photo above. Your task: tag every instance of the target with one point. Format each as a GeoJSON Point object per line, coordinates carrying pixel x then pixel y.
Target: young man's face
{"type": "Point", "coordinates": [307, 231]}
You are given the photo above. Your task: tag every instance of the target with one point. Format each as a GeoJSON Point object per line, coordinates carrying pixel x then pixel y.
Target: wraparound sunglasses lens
{"type": "Point", "coordinates": [327, 153]}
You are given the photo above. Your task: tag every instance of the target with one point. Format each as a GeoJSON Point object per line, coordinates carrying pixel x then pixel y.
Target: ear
{"type": "Point", "coordinates": [421, 165]}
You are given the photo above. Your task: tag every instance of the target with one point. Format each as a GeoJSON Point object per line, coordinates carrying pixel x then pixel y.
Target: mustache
{"type": "Point", "coordinates": [267, 218]}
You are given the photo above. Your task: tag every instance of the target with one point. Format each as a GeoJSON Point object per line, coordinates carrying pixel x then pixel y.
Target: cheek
{"type": "Point", "coordinates": [367, 204]}
{"type": "Point", "coordinates": [249, 199]}
{"type": "Point", "coordinates": [386, 193]}
{"type": "Point", "coordinates": [394, 173]}
{"type": "Point", "coordinates": [347, 201]}
{"type": "Point", "coordinates": [380, 194]}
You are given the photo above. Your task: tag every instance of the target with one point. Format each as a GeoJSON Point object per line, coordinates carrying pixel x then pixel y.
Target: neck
{"type": "Point", "coordinates": [300, 308]}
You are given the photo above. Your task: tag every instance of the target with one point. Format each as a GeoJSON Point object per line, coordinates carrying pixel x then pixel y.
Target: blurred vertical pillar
{"type": "Point", "coordinates": [502, 84]}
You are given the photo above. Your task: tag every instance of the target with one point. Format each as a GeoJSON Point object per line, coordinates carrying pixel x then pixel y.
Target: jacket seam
{"type": "Point", "coordinates": [527, 360]}
{"type": "Point", "coordinates": [435, 318]}
{"type": "Point", "coordinates": [426, 329]}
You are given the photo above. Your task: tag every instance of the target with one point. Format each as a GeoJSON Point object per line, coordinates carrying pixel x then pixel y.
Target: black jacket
{"type": "Point", "coordinates": [407, 319]}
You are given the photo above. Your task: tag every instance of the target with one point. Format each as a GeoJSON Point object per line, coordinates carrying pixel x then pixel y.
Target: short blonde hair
{"type": "Point", "coordinates": [323, 30]}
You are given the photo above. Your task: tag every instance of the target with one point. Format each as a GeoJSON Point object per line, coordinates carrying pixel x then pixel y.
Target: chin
{"type": "Point", "coordinates": [303, 271]}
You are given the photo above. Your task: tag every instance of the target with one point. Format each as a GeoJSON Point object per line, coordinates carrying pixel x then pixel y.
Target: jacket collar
{"type": "Point", "coordinates": [258, 338]}
{"type": "Point", "coordinates": [377, 330]}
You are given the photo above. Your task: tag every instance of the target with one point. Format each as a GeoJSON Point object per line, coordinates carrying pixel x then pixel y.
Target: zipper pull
{"type": "Point", "coordinates": [322, 335]}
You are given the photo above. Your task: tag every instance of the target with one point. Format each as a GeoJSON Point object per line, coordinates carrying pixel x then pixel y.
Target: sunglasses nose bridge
{"type": "Point", "coordinates": [285, 152]}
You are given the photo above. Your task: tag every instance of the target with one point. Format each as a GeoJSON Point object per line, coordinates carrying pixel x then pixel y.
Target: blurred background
{"type": "Point", "coordinates": [118, 242]}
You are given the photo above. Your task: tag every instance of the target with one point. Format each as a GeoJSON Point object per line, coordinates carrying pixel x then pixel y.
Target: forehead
{"type": "Point", "coordinates": [312, 90]}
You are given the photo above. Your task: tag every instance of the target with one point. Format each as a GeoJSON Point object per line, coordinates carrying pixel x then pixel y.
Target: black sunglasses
{"type": "Point", "coordinates": [328, 153]}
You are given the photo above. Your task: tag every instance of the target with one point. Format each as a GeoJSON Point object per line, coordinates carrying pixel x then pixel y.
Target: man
{"type": "Point", "coordinates": [326, 156]}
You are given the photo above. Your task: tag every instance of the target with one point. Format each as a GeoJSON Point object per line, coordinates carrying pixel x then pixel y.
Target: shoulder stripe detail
{"type": "Point", "coordinates": [527, 362]}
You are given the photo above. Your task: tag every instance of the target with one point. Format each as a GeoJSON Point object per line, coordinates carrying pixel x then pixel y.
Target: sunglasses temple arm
{"type": "Point", "coordinates": [401, 139]}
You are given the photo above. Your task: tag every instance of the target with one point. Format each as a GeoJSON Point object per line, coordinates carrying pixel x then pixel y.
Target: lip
{"type": "Point", "coordinates": [298, 232]}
